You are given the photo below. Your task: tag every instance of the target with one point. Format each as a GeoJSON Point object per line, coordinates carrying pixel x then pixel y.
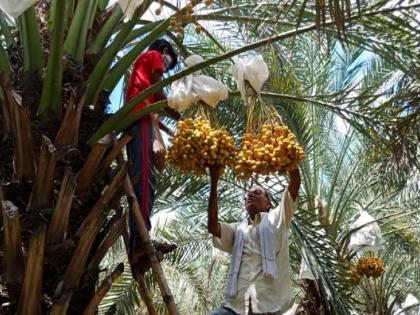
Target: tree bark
{"type": "Point", "coordinates": [58, 226]}
{"type": "Point", "coordinates": [86, 235]}
{"type": "Point", "coordinates": [69, 131]}
{"type": "Point", "coordinates": [42, 189]}
{"type": "Point", "coordinates": [24, 153]}
{"type": "Point", "coordinates": [30, 297]}
{"type": "Point", "coordinates": [115, 232]}
{"type": "Point", "coordinates": [87, 173]}
{"type": "Point", "coordinates": [106, 163]}
{"type": "Point", "coordinates": [13, 261]}
{"type": "Point", "coordinates": [8, 107]}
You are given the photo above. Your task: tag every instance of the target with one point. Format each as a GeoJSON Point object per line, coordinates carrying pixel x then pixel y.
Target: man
{"type": "Point", "coordinates": [148, 70]}
{"type": "Point", "coordinates": [259, 276]}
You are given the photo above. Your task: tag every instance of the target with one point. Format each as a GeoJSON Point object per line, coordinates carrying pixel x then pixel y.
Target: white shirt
{"type": "Point", "coordinates": [267, 295]}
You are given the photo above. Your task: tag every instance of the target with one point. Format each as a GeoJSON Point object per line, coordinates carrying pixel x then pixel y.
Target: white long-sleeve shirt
{"type": "Point", "coordinates": [266, 295]}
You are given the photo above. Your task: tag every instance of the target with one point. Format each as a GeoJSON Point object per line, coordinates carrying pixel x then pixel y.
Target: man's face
{"type": "Point", "coordinates": [256, 200]}
{"type": "Point", "coordinates": [167, 61]}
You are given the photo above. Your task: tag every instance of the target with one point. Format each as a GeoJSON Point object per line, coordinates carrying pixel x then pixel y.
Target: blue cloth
{"type": "Point", "coordinates": [142, 168]}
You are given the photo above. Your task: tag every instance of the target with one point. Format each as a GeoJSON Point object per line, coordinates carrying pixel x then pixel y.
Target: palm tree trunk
{"type": "Point", "coordinates": [86, 175]}
{"type": "Point", "coordinates": [58, 226]}
{"type": "Point", "coordinates": [24, 156]}
{"type": "Point", "coordinates": [103, 289]}
{"type": "Point", "coordinates": [86, 234]}
{"type": "Point", "coordinates": [115, 232]}
{"type": "Point", "coordinates": [42, 189]}
{"type": "Point", "coordinates": [68, 134]}
{"type": "Point", "coordinates": [13, 262]}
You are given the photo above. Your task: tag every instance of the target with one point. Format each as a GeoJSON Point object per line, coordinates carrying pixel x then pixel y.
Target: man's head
{"type": "Point", "coordinates": [257, 200]}
{"type": "Point", "coordinates": [170, 58]}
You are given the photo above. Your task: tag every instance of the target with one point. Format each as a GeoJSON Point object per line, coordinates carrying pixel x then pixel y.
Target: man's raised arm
{"type": "Point", "coordinates": [160, 96]}
{"type": "Point", "coordinates": [213, 220]}
{"type": "Point", "coordinates": [294, 183]}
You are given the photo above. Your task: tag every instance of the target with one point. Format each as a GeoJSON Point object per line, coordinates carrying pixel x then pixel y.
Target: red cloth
{"type": "Point", "coordinates": [141, 77]}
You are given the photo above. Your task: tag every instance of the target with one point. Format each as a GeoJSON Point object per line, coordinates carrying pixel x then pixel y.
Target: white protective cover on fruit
{"type": "Point", "coordinates": [252, 69]}
{"type": "Point", "coordinates": [196, 87]}
{"type": "Point", "coordinates": [411, 305]}
{"type": "Point", "coordinates": [368, 237]}
{"type": "Point", "coordinates": [129, 6]}
{"type": "Point", "coordinates": [15, 8]}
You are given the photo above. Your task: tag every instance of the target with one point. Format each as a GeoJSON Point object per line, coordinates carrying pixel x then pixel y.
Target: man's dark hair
{"type": "Point", "coordinates": [267, 193]}
{"type": "Point", "coordinates": [269, 198]}
{"type": "Point", "coordinates": [160, 45]}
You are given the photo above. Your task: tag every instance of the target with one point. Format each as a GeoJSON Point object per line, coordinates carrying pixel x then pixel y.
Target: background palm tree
{"type": "Point", "coordinates": [339, 179]}
{"type": "Point", "coordinates": [55, 77]}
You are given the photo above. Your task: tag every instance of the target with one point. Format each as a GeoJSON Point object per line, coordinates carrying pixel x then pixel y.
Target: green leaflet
{"type": "Point", "coordinates": [51, 92]}
{"type": "Point", "coordinates": [75, 42]}
{"type": "Point", "coordinates": [31, 39]}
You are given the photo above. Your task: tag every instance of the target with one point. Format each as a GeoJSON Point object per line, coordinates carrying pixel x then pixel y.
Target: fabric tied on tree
{"type": "Point", "coordinates": [410, 306]}
{"type": "Point", "coordinates": [305, 272]}
{"type": "Point", "coordinates": [254, 70]}
{"type": "Point", "coordinates": [129, 7]}
{"type": "Point", "coordinates": [367, 234]}
{"type": "Point", "coordinates": [15, 8]}
{"type": "Point", "coordinates": [196, 87]}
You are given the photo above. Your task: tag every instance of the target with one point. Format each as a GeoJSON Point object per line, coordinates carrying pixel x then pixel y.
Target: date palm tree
{"type": "Point", "coordinates": [340, 178]}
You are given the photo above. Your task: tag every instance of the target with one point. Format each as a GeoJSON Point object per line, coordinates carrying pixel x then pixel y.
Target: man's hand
{"type": "Point", "coordinates": [294, 183]}
{"type": "Point", "coordinates": [213, 220]}
{"type": "Point", "coordinates": [166, 129]}
{"type": "Point", "coordinates": [215, 172]}
{"type": "Point", "coordinates": [160, 96]}
{"type": "Point", "coordinates": [173, 113]}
